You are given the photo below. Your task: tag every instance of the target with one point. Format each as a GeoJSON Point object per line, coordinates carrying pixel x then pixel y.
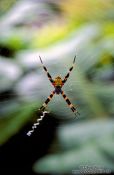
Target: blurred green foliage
{"type": "Point", "coordinates": [5, 6]}
{"type": "Point", "coordinates": [84, 28]}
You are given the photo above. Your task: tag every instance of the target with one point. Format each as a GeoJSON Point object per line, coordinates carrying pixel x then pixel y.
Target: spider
{"type": "Point", "coordinates": [58, 84]}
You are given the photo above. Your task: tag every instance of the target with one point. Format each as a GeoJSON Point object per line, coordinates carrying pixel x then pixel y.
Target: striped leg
{"type": "Point", "coordinates": [45, 69]}
{"type": "Point", "coordinates": [68, 74]}
{"type": "Point", "coordinates": [47, 101]}
{"type": "Point", "coordinates": [70, 104]}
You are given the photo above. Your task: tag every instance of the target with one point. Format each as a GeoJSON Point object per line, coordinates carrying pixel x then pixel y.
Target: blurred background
{"type": "Point", "coordinates": [57, 30]}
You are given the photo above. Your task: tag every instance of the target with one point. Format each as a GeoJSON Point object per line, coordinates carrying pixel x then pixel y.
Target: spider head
{"type": "Point", "coordinates": [58, 81]}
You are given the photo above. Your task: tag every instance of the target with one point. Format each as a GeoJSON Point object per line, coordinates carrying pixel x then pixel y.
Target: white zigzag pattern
{"type": "Point", "coordinates": [37, 123]}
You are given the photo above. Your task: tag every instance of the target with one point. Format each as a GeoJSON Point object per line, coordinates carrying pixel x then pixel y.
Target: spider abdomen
{"type": "Point", "coordinates": [58, 81]}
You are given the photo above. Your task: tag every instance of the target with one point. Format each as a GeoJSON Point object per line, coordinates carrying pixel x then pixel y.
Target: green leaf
{"type": "Point", "coordinates": [88, 155]}
{"type": "Point", "coordinates": [89, 144]}
{"type": "Point", "coordinates": [12, 124]}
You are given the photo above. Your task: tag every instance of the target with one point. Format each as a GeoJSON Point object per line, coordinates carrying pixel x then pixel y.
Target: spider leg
{"type": "Point", "coordinates": [70, 104]}
{"type": "Point", "coordinates": [42, 108]}
{"type": "Point", "coordinates": [45, 69]}
{"type": "Point", "coordinates": [68, 74]}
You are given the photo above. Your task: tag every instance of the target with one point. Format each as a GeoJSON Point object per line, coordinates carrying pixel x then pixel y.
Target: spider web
{"type": "Point", "coordinates": [38, 88]}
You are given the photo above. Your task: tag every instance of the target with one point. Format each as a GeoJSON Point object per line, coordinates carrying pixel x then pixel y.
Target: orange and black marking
{"type": "Point", "coordinates": [47, 101]}
{"type": "Point", "coordinates": [69, 103]}
{"type": "Point", "coordinates": [68, 74]}
{"type": "Point", "coordinates": [45, 69]}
